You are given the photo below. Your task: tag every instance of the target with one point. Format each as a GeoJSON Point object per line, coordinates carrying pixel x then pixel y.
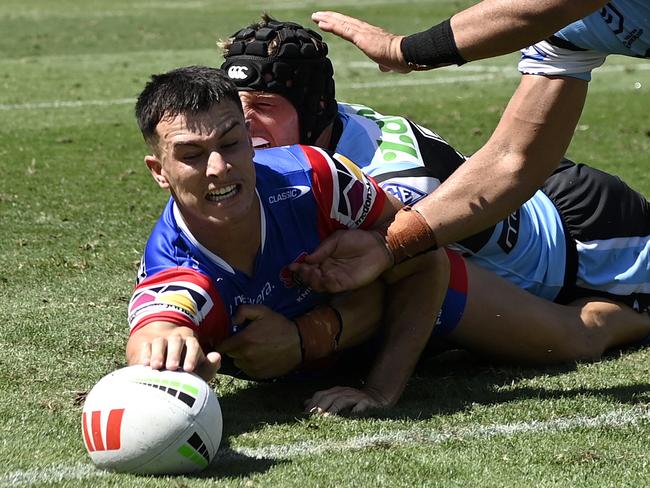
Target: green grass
{"type": "Point", "coordinates": [76, 205]}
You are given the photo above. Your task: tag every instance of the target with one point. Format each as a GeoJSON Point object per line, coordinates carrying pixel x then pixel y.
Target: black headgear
{"type": "Point", "coordinates": [298, 69]}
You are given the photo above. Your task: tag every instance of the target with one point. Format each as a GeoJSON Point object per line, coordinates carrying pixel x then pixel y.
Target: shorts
{"type": "Point", "coordinates": [607, 225]}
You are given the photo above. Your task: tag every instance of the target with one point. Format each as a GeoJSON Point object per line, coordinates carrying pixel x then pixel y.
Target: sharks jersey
{"type": "Point", "coordinates": [304, 195]}
{"type": "Point", "coordinates": [409, 162]}
{"type": "Point", "coordinates": [620, 27]}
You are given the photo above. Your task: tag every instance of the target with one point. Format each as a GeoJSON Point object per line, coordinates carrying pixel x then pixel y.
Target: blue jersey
{"type": "Point", "coordinates": [304, 195]}
{"type": "Point", "coordinates": [620, 27]}
{"type": "Point", "coordinates": [409, 162]}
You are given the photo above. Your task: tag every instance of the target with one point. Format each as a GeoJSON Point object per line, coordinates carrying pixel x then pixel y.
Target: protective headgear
{"type": "Point", "coordinates": [287, 59]}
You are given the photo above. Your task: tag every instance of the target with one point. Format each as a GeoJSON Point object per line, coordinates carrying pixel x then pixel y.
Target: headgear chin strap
{"type": "Point", "coordinates": [298, 69]}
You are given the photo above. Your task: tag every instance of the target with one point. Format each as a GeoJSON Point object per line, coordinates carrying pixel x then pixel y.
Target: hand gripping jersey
{"type": "Point", "coordinates": [304, 195]}
{"type": "Point", "coordinates": [620, 27]}
{"type": "Point", "coordinates": [542, 246]}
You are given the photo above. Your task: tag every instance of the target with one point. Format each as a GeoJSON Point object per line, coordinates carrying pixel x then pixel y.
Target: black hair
{"type": "Point", "coordinates": [187, 90]}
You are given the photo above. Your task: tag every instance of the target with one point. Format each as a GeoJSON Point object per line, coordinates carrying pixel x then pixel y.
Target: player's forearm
{"type": "Point", "coordinates": [415, 297]}
{"type": "Point", "coordinates": [527, 145]}
{"type": "Point", "coordinates": [494, 27]}
{"type": "Point", "coordinates": [361, 313]}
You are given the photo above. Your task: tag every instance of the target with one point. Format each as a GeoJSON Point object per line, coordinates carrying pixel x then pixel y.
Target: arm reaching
{"type": "Point", "coordinates": [488, 29]}
{"type": "Point", "coordinates": [163, 345]}
{"type": "Point", "coordinates": [415, 295]}
{"type": "Point", "coordinates": [525, 148]}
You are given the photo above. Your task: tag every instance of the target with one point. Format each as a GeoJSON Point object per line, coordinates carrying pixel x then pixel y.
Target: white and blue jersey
{"type": "Point", "coordinates": [620, 27]}
{"type": "Point", "coordinates": [553, 246]}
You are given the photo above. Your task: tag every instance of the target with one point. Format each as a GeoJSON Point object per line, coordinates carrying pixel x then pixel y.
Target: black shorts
{"type": "Point", "coordinates": [607, 224]}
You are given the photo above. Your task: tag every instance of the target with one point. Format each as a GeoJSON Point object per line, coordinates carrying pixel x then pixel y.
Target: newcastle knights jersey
{"type": "Point", "coordinates": [304, 194]}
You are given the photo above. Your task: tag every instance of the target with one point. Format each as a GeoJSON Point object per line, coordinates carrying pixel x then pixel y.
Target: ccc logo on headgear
{"type": "Point", "coordinates": [238, 72]}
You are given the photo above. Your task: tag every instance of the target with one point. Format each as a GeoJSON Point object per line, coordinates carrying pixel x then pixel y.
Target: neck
{"type": "Point", "coordinates": [237, 243]}
{"type": "Point", "coordinates": [325, 138]}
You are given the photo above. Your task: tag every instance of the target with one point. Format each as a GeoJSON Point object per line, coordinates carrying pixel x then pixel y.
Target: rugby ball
{"type": "Point", "coordinates": [141, 420]}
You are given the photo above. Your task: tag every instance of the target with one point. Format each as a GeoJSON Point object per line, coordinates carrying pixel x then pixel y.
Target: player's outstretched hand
{"type": "Point", "coordinates": [346, 260]}
{"type": "Point", "coordinates": [340, 398]}
{"type": "Point", "coordinates": [268, 347]}
{"type": "Point", "coordinates": [177, 351]}
{"type": "Point", "coordinates": [382, 47]}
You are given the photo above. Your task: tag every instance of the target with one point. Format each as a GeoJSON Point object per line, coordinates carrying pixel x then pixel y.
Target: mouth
{"type": "Point", "coordinates": [223, 193]}
{"type": "Point", "coordinates": [260, 143]}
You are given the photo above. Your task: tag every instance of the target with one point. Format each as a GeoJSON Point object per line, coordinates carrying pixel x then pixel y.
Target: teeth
{"type": "Point", "coordinates": [260, 143]}
{"type": "Point", "coordinates": [222, 193]}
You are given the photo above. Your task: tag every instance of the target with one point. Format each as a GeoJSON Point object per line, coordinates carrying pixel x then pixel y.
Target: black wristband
{"type": "Point", "coordinates": [432, 48]}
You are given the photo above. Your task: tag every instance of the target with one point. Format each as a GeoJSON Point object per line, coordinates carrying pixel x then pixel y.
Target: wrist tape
{"type": "Point", "coordinates": [431, 48]}
{"type": "Point", "coordinates": [319, 331]}
{"type": "Point", "coordinates": [408, 235]}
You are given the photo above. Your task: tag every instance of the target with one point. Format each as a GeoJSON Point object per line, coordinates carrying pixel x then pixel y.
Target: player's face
{"type": "Point", "coordinates": [273, 119]}
{"type": "Point", "coordinates": [206, 161]}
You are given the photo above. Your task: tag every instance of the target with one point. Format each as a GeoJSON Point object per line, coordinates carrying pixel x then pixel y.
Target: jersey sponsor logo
{"type": "Point", "coordinates": [260, 298]}
{"type": "Point", "coordinates": [97, 439]}
{"type": "Point", "coordinates": [408, 195]}
{"type": "Point", "coordinates": [237, 72]}
{"type": "Point", "coordinates": [354, 194]}
{"type": "Point", "coordinates": [510, 232]}
{"type": "Point", "coordinates": [289, 193]}
{"type": "Point", "coordinates": [612, 17]}
{"type": "Point", "coordinates": [185, 298]}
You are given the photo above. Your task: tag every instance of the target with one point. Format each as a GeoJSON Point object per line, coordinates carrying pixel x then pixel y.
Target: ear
{"type": "Point", "coordinates": [154, 165]}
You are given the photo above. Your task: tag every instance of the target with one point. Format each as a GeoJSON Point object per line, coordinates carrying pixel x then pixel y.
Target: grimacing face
{"type": "Point", "coordinates": [272, 119]}
{"type": "Point", "coordinates": [206, 161]}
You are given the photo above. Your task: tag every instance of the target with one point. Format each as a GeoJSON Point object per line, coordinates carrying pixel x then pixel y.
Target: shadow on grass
{"type": "Point", "coordinates": [443, 384]}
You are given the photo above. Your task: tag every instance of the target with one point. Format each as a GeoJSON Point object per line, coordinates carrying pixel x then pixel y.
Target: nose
{"type": "Point", "coordinates": [217, 166]}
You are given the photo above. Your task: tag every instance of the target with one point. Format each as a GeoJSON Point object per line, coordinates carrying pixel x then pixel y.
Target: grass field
{"type": "Point", "coordinates": [76, 206]}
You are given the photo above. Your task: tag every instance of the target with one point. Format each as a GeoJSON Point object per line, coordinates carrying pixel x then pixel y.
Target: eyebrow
{"type": "Point", "coordinates": [191, 143]}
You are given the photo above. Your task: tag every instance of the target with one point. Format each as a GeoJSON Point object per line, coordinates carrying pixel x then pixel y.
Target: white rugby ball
{"type": "Point", "coordinates": [141, 420]}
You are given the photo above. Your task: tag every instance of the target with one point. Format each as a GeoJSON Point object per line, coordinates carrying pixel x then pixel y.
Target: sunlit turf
{"type": "Point", "coordinates": [76, 205]}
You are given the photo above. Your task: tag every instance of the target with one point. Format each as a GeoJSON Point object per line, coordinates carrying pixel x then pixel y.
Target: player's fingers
{"type": "Point", "coordinates": [308, 274]}
{"type": "Point", "coordinates": [233, 344]}
{"type": "Point", "coordinates": [210, 366]}
{"type": "Point", "coordinates": [145, 353]}
{"type": "Point", "coordinates": [321, 400]}
{"type": "Point", "coordinates": [158, 352]}
{"type": "Point", "coordinates": [324, 250]}
{"type": "Point", "coordinates": [249, 312]}
{"type": "Point", "coordinates": [193, 354]}
{"type": "Point", "coordinates": [362, 406]}
{"type": "Point", "coordinates": [175, 346]}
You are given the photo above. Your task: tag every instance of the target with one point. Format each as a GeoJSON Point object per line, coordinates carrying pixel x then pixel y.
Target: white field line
{"type": "Point", "coordinates": [416, 436]}
{"type": "Point", "coordinates": [196, 5]}
{"type": "Point", "coordinates": [422, 436]}
{"type": "Point", "coordinates": [485, 73]}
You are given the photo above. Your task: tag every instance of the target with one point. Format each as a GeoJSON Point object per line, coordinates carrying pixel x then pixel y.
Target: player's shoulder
{"type": "Point", "coordinates": [286, 160]}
